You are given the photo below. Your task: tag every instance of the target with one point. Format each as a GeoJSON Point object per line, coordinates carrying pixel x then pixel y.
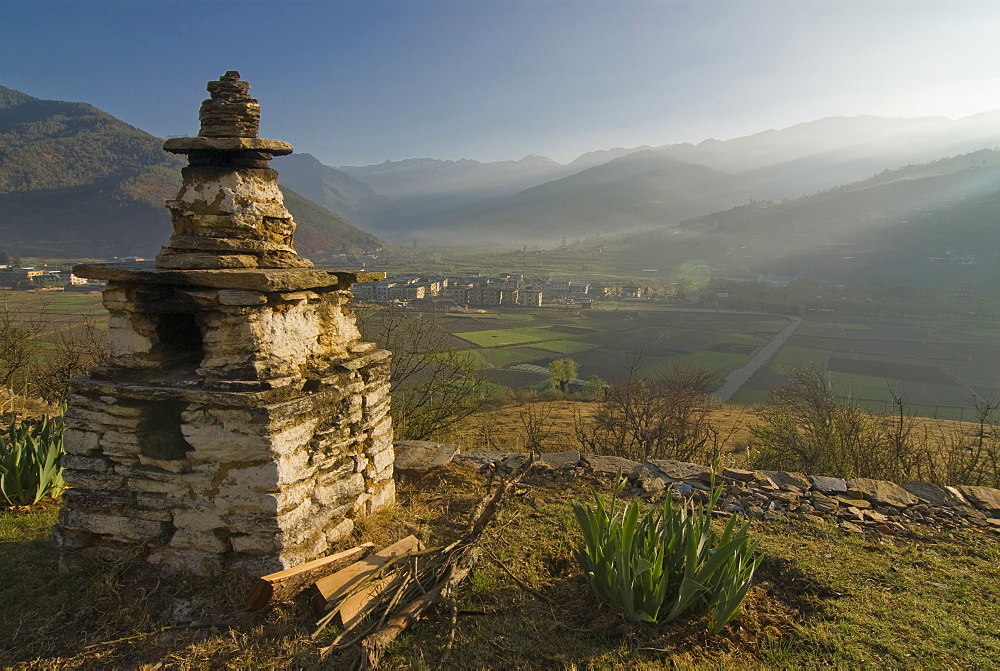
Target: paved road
{"type": "Point", "coordinates": [738, 377]}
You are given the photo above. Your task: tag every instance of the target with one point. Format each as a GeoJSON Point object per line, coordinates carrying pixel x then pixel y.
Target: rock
{"type": "Point", "coordinates": [783, 479]}
{"type": "Point", "coordinates": [422, 455]}
{"type": "Point", "coordinates": [822, 483]}
{"type": "Point", "coordinates": [682, 488]}
{"type": "Point", "coordinates": [932, 494]}
{"type": "Point", "coordinates": [883, 492]}
{"type": "Point", "coordinates": [609, 466]}
{"type": "Point", "coordinates": [850, 527]}
{"type": "Point", "coordinates": [481, 458]}
{"type": "Point", "coordinates": [559, 461]}
{"type": "Point", "coordinates": [681, 470]}
{"type": "Point", "coordinates": [825, 504]}
{"type": "Point", "coordinates": [984, 498]}
{"type": "Point", "coordinates": [737, 474]}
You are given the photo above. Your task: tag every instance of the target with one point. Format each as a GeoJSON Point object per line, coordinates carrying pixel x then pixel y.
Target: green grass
{"type": "Point", "coordinates": [821, 598]}
{"type": "Point", "coordinates": [501, 358]}
{"type": "Point", "coordinates": [750, 396]}
{"type": "Point", "coordinates": [867, 387]}
{"type": "Point", "coordinates": [506, 337]}
{"type": "Point", "coordinates": [791, 356]}
{"type": "Point", "coordinates": [743, 339]}
{"type": "Point", "coordinates": [847, 326]}
{"type": "Point", "coordinates": [769, 326]}
{"type": "Point", "coordinates": [713, 361]}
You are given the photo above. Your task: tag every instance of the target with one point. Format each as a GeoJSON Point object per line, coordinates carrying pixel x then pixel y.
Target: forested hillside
{"type": "Point", "coordinates": [75, 181]}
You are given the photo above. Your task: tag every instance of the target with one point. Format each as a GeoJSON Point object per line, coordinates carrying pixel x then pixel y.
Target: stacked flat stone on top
{"type": "Point", "coordinates": [230, 111]}
{"type": "Point", "coordinates": [229, 212]}
{"type": "Point", "coordinates": [240, 421]}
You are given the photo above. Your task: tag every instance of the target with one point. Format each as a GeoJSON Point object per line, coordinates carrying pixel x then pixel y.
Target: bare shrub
{"type": "Point", "coordinates": [807, 428]}
{"type": "Point", "coordinates": [645, 419]}
{"type": "Point", "coordinates": [433, 382]}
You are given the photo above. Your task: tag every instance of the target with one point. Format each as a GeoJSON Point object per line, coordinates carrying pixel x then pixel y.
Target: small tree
{"type": "Point", "coordinates": [562, 372]}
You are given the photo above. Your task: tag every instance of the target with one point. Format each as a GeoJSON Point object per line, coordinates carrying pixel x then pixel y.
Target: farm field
{"type": "Point", "coordinates": [607, 343]}
{"type": "Point", "coordinates": [936, 365]}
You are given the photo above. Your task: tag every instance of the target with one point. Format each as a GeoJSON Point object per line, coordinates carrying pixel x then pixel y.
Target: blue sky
{"type": "Point", "coordinates": [360, 82]}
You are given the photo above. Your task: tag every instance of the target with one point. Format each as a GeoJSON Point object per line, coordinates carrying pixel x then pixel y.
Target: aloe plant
{"type": "Point", "coordinates": [657, 565]}
{"type": "Point", "coordinates": [30, 455]}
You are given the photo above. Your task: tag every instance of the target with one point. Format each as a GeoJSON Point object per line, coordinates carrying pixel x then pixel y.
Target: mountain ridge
{"type": "Point", "coordinates": [75, 180]}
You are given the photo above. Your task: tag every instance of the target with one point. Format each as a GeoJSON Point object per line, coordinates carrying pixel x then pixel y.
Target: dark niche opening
{"type": "Point", "coordinates": [180, 339]}
{"type": "Point", "coordinates": [159, 431]}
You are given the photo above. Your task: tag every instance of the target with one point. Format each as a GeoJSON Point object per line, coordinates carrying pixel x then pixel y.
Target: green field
{"type": "Point", "coordinates": [937, 364]}
{"type": "Point", "coordinates": [507, 337]}
{"type": "Point", "coordinates": [790, 356]}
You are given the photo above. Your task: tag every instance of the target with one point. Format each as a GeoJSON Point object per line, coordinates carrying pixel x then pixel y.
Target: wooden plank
{"type": "Point", "coordinates": [283, 585]}
{"type": "Point", "coordinates": [355, 607]}
{"type": "Point", "coordinates": [327, 590]}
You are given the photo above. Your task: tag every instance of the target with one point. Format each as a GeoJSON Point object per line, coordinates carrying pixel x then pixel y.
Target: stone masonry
{"type": "Point", "coordinates": [240, 421]}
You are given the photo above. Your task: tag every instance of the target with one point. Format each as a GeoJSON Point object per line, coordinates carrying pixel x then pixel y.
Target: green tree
{"type": "Point", "coordinates": [562, 372]}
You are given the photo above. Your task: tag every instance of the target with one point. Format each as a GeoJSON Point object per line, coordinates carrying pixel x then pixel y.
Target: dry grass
{"type": "Point", "coordinates": [820, 598]}
{"type": "Point", "coordinates": [505, 428]}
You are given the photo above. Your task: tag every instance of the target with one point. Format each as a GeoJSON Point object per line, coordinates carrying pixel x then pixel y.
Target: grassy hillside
{"type": "Point", "coordinates": [821, 597]}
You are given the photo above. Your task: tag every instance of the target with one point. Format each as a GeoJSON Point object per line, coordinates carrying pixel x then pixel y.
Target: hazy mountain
{"type": "Point", "coordinates": [335, 190]}
{"type": "Point", "coordinates": [817, 155]}
{"type": "Point", "coordinates": [427, 189]}
{"type": "Point", "coordinates": [918, 226]}
{"type": "Point", "coordinates": [75, 181]}
{"type": "Point", "coordinates": [641, 189]}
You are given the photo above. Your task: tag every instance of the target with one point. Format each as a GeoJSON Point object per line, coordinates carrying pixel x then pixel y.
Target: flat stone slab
{"type": "Point", "coordinates": [252, 279]}
{"type": "Point", "coordinates": [883, 492]}
{"type": "Point", "coordinates": [559, 460]}
{"type": "Point", "coordinates": [481, 458]}
{"type": "Point", "coordinates": [681, 470]}
{"type": "Point", "coordinates": [932, 494]}
{"type": "Point", "coordinates": [822, 483]}
{"type": "Point", "coordinates": [984, 498]}
{"type": "Point", "coordinates": [422, 455]}
{"type": "Point", "coordinates": [786, 479]}
{"type": "Point", "coordinates": [738, 474]}
{"type": "Point", "coordinates": [609, 466]}
{"type": "Point", "coordinates": [183, 145]}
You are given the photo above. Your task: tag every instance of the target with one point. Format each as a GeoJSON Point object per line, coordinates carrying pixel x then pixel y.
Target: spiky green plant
{"type": "Point", "coordinates": [657, 565]}
{"type": "Point", "coordinates": [30, 455]}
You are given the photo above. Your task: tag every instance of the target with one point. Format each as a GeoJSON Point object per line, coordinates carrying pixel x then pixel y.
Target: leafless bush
{"type": "Point", "coordinates": [807, 428]}
{"type": "Point", "coordinates": [433, 382]}
{"type": "Point", "coordinates": [644, 419]}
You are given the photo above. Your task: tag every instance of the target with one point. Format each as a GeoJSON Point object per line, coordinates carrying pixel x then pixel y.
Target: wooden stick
{"type": "Point", "coordinates": [283, 585]}
{"type": "Point", "coordinates": [375, 645]}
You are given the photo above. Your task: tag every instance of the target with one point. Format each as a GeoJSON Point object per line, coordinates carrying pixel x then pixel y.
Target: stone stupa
{"type": "Point", "coordinates": [240, 421]}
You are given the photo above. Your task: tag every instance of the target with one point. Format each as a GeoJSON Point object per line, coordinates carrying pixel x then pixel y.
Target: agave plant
{"type": "Point", "coordinates": [657, 565]}
{"type": "Point", "coordinates": [30, 455]}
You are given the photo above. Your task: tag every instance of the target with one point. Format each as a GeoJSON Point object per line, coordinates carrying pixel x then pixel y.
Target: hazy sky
{"type": "Point", "coordinates": [360, 82]}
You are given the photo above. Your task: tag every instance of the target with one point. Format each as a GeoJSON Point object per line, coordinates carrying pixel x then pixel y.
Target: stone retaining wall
{"type": "Point", "coordinates": [857, 505]}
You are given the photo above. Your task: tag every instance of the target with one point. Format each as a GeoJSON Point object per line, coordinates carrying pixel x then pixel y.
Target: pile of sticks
{"type": "Point", "coordinates": [375, 596]}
